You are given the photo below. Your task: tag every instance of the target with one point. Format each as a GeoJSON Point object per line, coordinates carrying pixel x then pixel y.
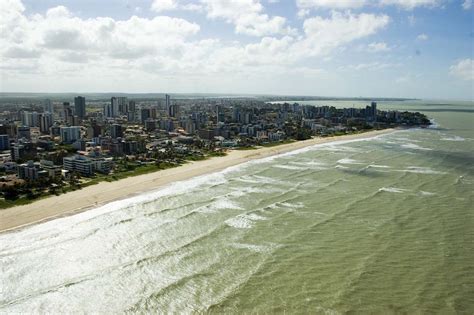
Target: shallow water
{"type": "Point", "coordinates": [384, 225]}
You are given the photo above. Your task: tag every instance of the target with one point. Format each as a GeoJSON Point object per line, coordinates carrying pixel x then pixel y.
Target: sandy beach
{"type": "Point", "coordinates": [96, 195]}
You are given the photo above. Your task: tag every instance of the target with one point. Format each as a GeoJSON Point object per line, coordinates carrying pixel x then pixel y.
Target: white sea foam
{"type": "Point", "coordinates": [219, 204]}
{"type": "Point", "coordinates": [434, 124]}
{"type": "Point", "coordinates": [244, 221]}
{"type": "Point", "coordinates": [339, 148]}
{"type": "Point", "coordinates": [464, 180]}
{"type": "Point", "coordinates": [341, 167]}
{"type": "Point", "coordinates": [334, 145]}
{"type": "Point", "coordinates": [415, 147]}
{"type": "Point", "coordinates": [392, 190]}
{"type": "Point", "coordinates": [239, 222]}
{"type": "Point", "coordinates": [295, 205]}
{"type": "Point", "coordinates": [289, 167]}
{"type": "Point", "coordinates": [248, 179]}
{"type": "Point", "coordinates": [426, 193]}
{"type": "Point", "coordinates": [286, 206]}
{"type": "Point", "coordinates": [421, 170]}
{"type": "Point", "coordinates": [405, 139]}
{"type": "Point", "coordinates": [255, 217]}
{"type": "Point", "coordinates": [312, 164]}
{"type": "Point", "coordinates": [349, 161]}
{"type": "Point", "coordinates": [238, 192]}
{"type": "Point", "coordinates": [454, 138]}
{"type": "Point", "coordinates": [267, 180]}
{"type": "Point", "coordinates": [320, 213]}
{"type": "Point", "coordinates": [254, 248]}
{"type": "Point", "coordinates": [378, 166]}
{"type": "Point", "coordinates": [260, 180]}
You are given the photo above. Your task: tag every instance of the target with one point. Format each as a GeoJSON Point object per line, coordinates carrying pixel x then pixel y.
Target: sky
{"type": "Point", "coordinates": [347, 48]}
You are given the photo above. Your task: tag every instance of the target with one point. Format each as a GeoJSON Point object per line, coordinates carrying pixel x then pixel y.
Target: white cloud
{"type": "Point", "coordinates": [464, 69]}
{"type": "Point", "coordinates": [422, 37]}
{"type": "Point", "coordinates": [168, 5]}
{"type": "Point", "coordinates": [61, 49]}
{"type": "Point", "coordinates": [247, 16]}
{"type": "Point", "coordinates": [372, 66]}
{"type": "Point", "coordinates": [323, 35]}
{"type": "Point", "coordinates": [164, 5]}
{"type": "Point", "coordinates": [305, 6]}
{"type": "Point", "coordinates": [21, 52]}
{"type": "Point", "coordinates": [53, 40]}
{"type": "Point", "coordinates": [330, 4]}
{"type": "Point", "coordinates": [412, 4]}
{"type": "Point", "coordinates": [378, 47]}
{"type": "Point", "coordinates": [467, 4]}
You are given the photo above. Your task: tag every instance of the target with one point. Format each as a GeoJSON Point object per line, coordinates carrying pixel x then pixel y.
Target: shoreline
{"type": "Point", "coordinates": [94, 196]}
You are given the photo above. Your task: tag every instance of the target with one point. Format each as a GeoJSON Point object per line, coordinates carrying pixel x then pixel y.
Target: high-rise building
{"type": "Point", "coordinates": [30, 119]}
{"type": "Point", "coordinates": [374, 110]}
{"type": "Point", "coordinates": [173, 110]}
{"type": "Point", "coordinates": [23, 132]}
{"type": "Point", "coordinates": [53, 171]}
{"type": "Point", "coordinates": [48, 106]}
{"type": "Point", "coordinates": [236, 114]}
{"type": "Point", "coordinates": [190, 126]}
{"type": "Point", "coordinates": [114, 107]}
{"type": "Point", "coordinates": [80, 164]}
{"type": "Point", "coordinates": [131, 111]}
{"type": "Point", "coordinates": [144, 114]}
{"type": "Point", "coordinates": [94, 130]}
{"type": "Point", "coordinates": [122, 105]}
{"type": "Point", "coordinates": [4, 142]}
{"type": "Point", "coordinates": [23, 150]}
{"type": "Point", "coordinates": [70, 134]}
{"type": "Point", "coordinates": [28, 170]}
{"type": "Point", "coordinates": [80, 106]}
{"type": "Point", "coordinates": [219, 114]}
{"type": "Point", "coordinates": [131, 106]}
{"type": "Point", "coordinates": [67, 113]}
{"type": "Point", "coordinates": [108, 113]}
{"type": "Point", "coordinates": [117, 107]}
{"type": "Point", "coordinates": [116, 131]}
{"type": "Point", "coordinates": [150, 124]}
{"type": "Point", "coordinates": [46, 121]}
{"type": "Point", "coordinates": [167, 102]}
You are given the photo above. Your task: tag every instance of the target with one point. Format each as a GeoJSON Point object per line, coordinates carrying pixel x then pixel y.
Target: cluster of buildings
{"type": "Point", "coordinates": [51, 139]}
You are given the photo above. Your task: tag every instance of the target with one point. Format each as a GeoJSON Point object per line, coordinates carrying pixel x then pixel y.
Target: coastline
{"type": "Point", "coordinates": [105, 192]}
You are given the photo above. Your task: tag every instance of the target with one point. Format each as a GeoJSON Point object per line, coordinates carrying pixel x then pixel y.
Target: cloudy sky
{"type": "Point", "coordinates": [391, 48]}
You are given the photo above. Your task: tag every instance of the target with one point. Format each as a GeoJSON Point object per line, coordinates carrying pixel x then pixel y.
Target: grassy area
{"type": "Point", "coordinates": [22, 200]}
{"type": "Point", "coordinates": [17, 202]}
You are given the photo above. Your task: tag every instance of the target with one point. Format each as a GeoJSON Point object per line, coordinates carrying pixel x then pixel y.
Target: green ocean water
{"type": "Point", "coordinates": [384, 225]}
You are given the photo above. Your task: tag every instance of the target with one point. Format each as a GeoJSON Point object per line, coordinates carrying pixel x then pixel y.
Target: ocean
{"type": "Point", "coordinates": [383, 225]}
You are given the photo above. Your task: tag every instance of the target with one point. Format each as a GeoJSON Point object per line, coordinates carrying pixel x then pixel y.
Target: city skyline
{"type": "Point", "coordinates": [387, 48]}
